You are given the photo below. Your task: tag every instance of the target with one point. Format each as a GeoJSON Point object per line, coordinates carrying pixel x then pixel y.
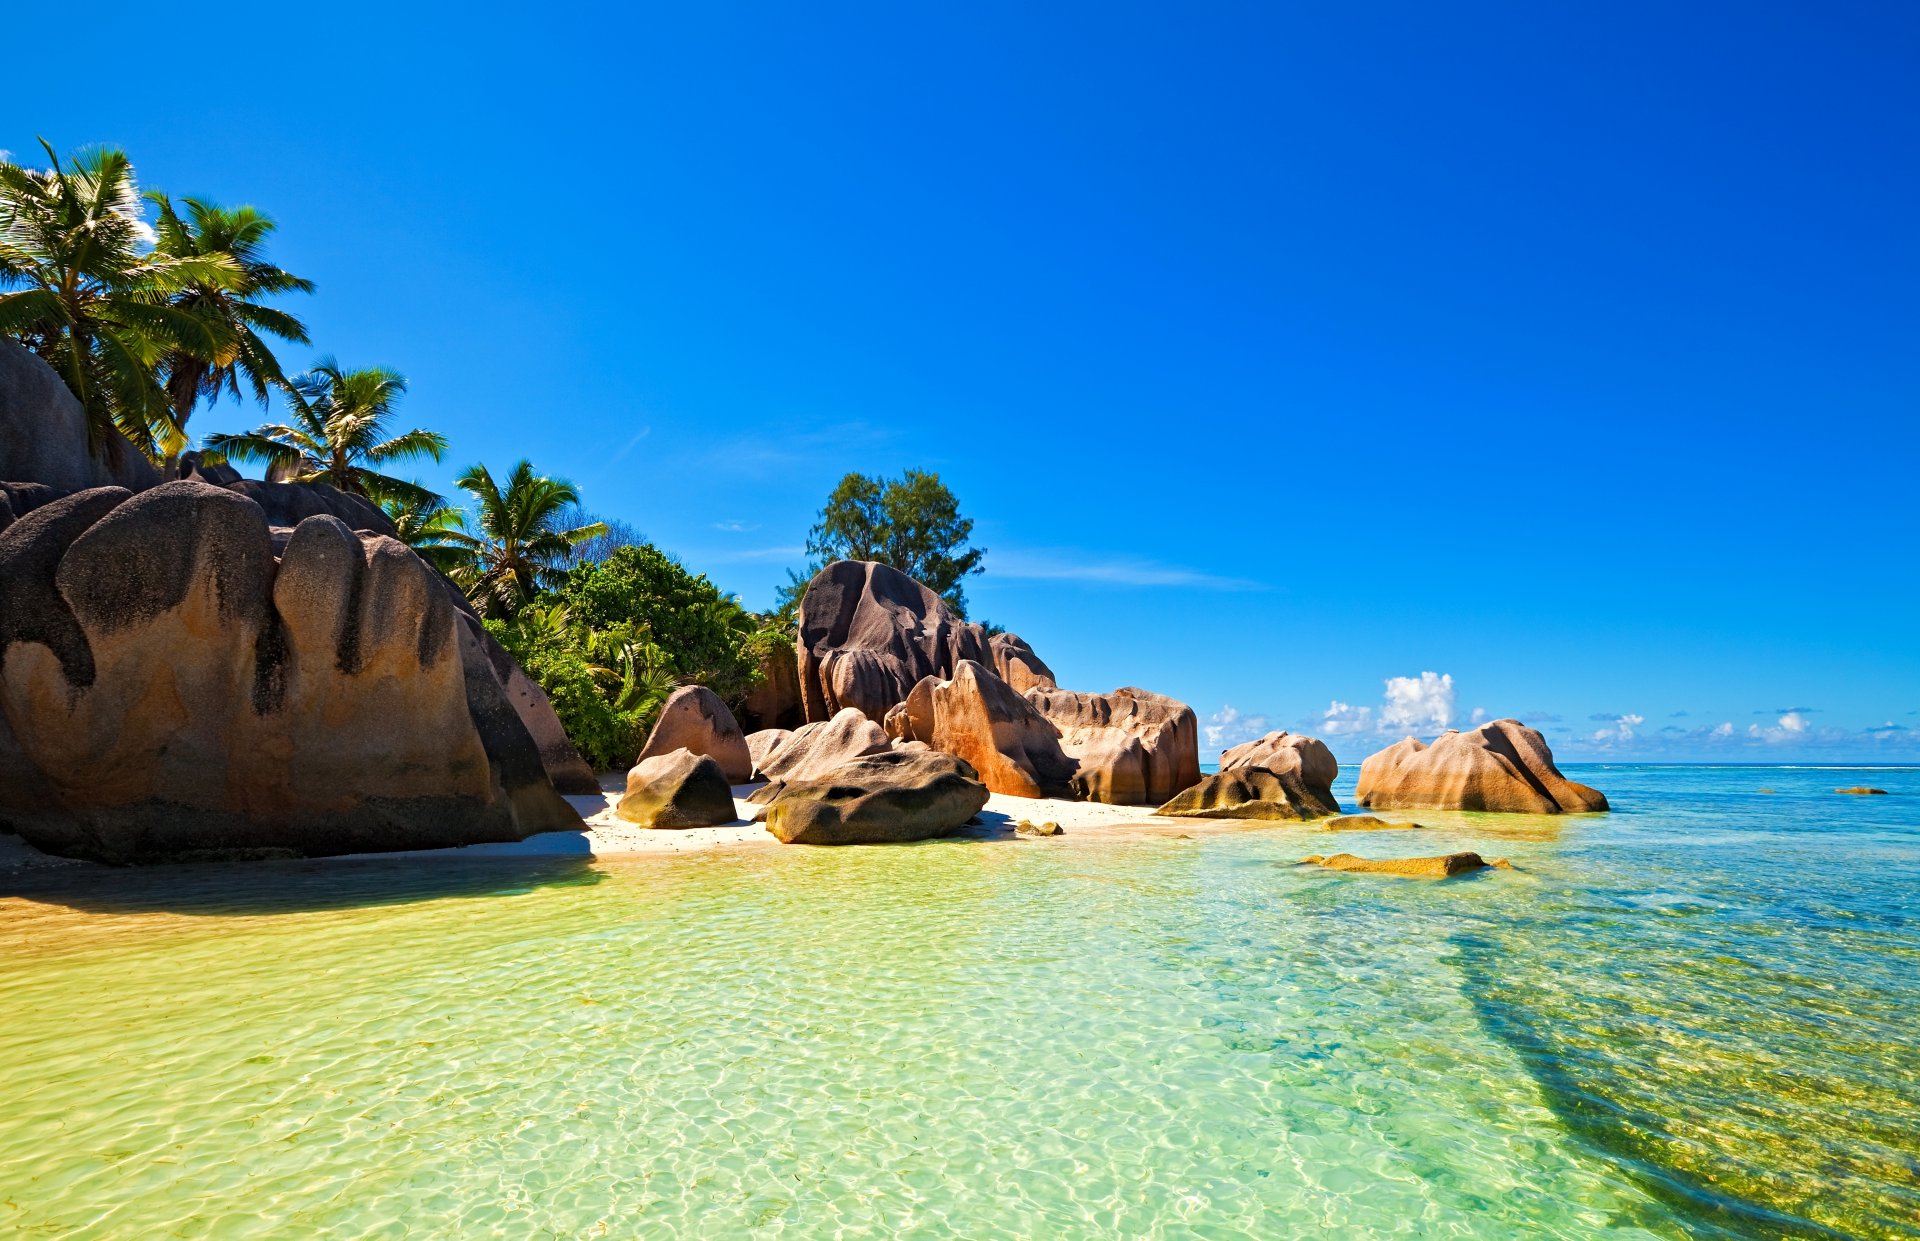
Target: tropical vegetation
{"type": "Point", "coordinates": [912, 523]}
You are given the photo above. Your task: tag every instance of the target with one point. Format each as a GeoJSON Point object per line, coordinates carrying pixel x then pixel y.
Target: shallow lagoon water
{"type": "Point", "coordinates": [1692, 1017]}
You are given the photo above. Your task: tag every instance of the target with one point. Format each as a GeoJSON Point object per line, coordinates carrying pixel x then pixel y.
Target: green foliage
{"type": "Point", "coordinates": [604, 711]}
{"type": "Point", "coordinates": [912, 523]}
{"type": "Point", "coordinates": [84, 292]}
{"type": "Point", "coordinates": [522, 544]}
{"type": "Point", "coordinates": [338, 435]}
{"type": "Point", "coordinates": [705, 635]}
{"type": "Point", "coordinates": [437, 531]}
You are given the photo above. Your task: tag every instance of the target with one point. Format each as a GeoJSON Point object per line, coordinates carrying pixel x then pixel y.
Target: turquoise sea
{"type": "Point", "coordinates": [1698, 1016]}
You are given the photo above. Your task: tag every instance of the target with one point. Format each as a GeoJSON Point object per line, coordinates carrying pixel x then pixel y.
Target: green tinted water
{"type": "Point", "coordinates": [1694, 1017]}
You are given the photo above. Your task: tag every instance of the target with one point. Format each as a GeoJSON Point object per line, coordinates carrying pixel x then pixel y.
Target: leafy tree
{"type": "Point", "coordinates": [707, 637]}
{"type": "Point", "coordinates": [912, 523]}
{"type": "Point", "coordinates": [230, 308]}
{"type": "Point", "coordinates": [522, 545]}
{"type": "Point", "coordinates": [338, 435]}
{"type": "Point", "coordinates": [605, 687]}
{"type": "Point", "coordinates": [618, 534]}
{"type": "Point", "coordinates": [436, 530]}
{"type": "Point", "coordinates": [91, 301]}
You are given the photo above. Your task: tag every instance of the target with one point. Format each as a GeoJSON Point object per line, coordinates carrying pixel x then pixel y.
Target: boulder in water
{"type": "Point", "coordinates": [1500, 766]}
{"type": "Point", "coordinates": [1251, 793]}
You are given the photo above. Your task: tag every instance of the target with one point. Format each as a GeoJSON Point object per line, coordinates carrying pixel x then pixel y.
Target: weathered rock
{"type": "Point", "coordinates": [1364, 823]}
{"type": "Point", "coordinates": [816, 749]}
{"type": "Point", "coordinates": [762, 744]}
{"type": "Point", "coordinates": [878, 799]}
{"type": "Point", "coordinates": [1443, 867]}
{"type": "Point", "coordinates": [869, 633]}
{"type": "Point", "coordinates": [1285, 751]}
{"type": "Point", "coordinates": [977, 717]}
{"type": "Point", "coordinates": [1015, 663]}
{"type": "Point", "coordinates": [1859, 790]}
{"type": "Point", "coordinates": [1251, 793]}
{"type": "Point", "coordinates": [1130, 747]}
{"type": "Point", "coordinates": [695, 719]}
{"type": "Point", "coordinates": [43, 433]}
{"type": "Point", "coordinates": [677, 789]}
{"type": "Point", "coordinates": [776, 702]}
{"type": "Point", "coordinates": [1500, 766]}
{"type": "Point", "coordinates": [169, 689]}
{"type": "Point", "coordinates": [1026, 827]}
{"type": "Point", "coordinates": [289, 504]}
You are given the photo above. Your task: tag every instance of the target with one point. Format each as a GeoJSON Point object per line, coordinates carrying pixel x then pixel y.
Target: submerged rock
{"type": "Point", "coordinates": [1859, 790]}
{"type": "Point", "coordinates": [897, 796]}
{"type": "Point", "coordinates": [1129, 747]}
{"type": "Point", "coordinates": [1026, 827]}
{"type": "Point", "coordinates": [1500, 766]}
{"type": "Point", "coordinates": [678, 789]}
{"type": "Point", "coordinates": [695, 719]}
{"type": "Point", "coordinates": [1443, 867]}
{"type": "Point", "coordinates": [1251, 793]}
{"type": "Point", "coordinates": [169, 688]}
{"type": "Point", "coordinates": [1365, 823]}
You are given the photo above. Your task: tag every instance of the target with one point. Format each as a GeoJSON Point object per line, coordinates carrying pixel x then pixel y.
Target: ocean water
{"type": "Point", "coordinates": [1696, 1017]}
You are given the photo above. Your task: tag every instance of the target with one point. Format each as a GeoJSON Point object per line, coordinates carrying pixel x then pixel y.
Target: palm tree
{"type": "Point", "coordinates": [337, 436]}
{"type": "Point", "coordinates": [89, 300]}
{"type": "Point", "coordinates": [230, 308]}
{"type": "Point", "coordinates": [522, 547]}
{"type": "Point", "coordinates": [437, 531]}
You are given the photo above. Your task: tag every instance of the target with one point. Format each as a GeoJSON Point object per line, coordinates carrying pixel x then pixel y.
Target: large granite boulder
{"type": "Point", "coordinates": [815, 749]}
{"type": "Point", "coordinates": [1132, 748]}
{"type": "Point", "coordinates": [695, 719]}
{"type": "Point", "coordinates": [1500, 766]}
{"type": "Point", "coordinates": [1016, 664]}
{"type": "Point", "coordinates": [170, 688]}
{"type": "Point", "coordinates": [43, 433]}
{"type": "Point", "coordinates": [1285, 751]}
{"type": "Point", "coordinates": [869, 634]}
{"type": "Point", "coordinates": [678, 789]}
{"type": "Point", "coordinates": [1252, 793]}
{"type": "Point", "coordinates": [885, 798]}
{"type": "Point", "coordinates": [762, 744]}
{"type": "Point", "coordinates": [978, 717]}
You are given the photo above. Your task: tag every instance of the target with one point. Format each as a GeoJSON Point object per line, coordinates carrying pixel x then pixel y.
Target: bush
{"type": "Point", "coordinates": [705, 637]}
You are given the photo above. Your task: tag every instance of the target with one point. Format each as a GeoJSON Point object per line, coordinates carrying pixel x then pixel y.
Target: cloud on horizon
{"type": "Point", "coordinates": [1228, 727]}
{"type": "Point", "coordinates": [1409, 706]}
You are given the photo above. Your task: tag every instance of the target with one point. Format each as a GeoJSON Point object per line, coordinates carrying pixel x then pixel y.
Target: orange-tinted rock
{"type": "Point", "coordinates": [1130, 747]}
{"type": "Point", "coordinates": [1443, 867]}
{"type": "Point", "coordinates": [978, 717]}
{"type": "Point", "coordinates": [1500, 766]}
{"type": "Point", "coordinates": [694, 719]}
{"type": "Point", "coordinates": [1015, 663]}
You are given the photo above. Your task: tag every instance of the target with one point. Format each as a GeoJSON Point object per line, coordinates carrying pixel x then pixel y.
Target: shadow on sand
{"type": "Point", "coordinates": [253, 889]}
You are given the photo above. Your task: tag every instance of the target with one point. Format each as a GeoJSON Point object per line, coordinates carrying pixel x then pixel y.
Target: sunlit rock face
{"type": "Point", "coordinates": [1501, 766]}
{"type": "Point", "coordinates": [176, 681]}
{"type": "Point", "coordinates": [869, 634]}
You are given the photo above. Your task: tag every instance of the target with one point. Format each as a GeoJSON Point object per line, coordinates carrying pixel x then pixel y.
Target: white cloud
{"type": "Point", "coordinates": [1621, 730]}
{"type": "Point", "coordinates": [1478, 717]}
{"type": "Point", "coordinates": [1342, 718]}
{"type": "Point", "coordinates": [1724, 729]}
{"type": "Point", "coordinates": [1793, 722]}
{"type": "Point", "coordinates": [1227, 727]}
{"type": "Point", "coordinates": [1418, 704]}
{"type": "Point", "coordinates": [1057, 565]}
{"type": "Point", "coordinates": [1791, 727]}
{"type": "Point", "coordinates": [736, 527]}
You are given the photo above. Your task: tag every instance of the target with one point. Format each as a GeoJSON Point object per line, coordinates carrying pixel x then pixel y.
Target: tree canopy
{"type": "Point", "coordinates": [912, 523]}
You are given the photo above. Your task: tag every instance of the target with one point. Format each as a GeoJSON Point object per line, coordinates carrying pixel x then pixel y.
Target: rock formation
{"type": "Point", "coordinates": [1364, 823]}
{"type": "Point", "coordinates": [169, 687]}
{"type": "Point", "coordinates": [43, 433]}
{"type": "Point", "coordinates": [869, 634]}
{"type": "Point", "coordinates": [1444, 867]}
{"type": "Point", "coordinates": [815, 749]}
{"type": "Point", "coordinates": [978, 717]}
{"type": "Point", "coordinates": [1016, 664]}
{"type": "Point", "coordinates": [776, 703]}
{"type": "Point", "coordinates": [878, 799]}
{"type": "Point", "coordinates": [1284, 751]}
{"type": "Point", "coordinates": [1131, 748]}
{"type": "Point", "coordinates": [1251, 793]}
{"type": "Point", "coordinates": [695, 719]}
{"type": "Point", "coordinates": [762, 744]}
{"type": "Point", "coordinates": [677, 789]}
{"type": "Point", "coordinates": [1502, 766]}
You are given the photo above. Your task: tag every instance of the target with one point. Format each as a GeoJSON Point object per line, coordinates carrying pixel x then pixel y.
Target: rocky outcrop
{"type": "Point", "coordinates": [43, 433]}
{"type": "Point", "coordinates": [815, 749]}
{"type": "Point", "coordinates": [695, 719]}
{"type": "Point", "coordinates": [978, 717]}
{"type": "Point", "coordinates": [289, 504]}
{"type": "Point", "coordinates": [678, 789]}
{"type": "Point", "coordinates": [565, 768]}
{"type": "Point", "coordinates": [885, 798]}
{"type": "Point", "coordinates": [762, 744]}
{"type": "Point", "coordinates": [1285, 751]}
{"type": "Point", "coordinates": [1443, 867]}
{"type": "Point", "coordinates": [1501, 766]}
{"type": "Point", "coordinates": [775, 702]}
{"type": "Point", "coordinates": [1251, 793]}
{"type": "Point", "coordinates": [1130, 747]}
{"type": "Point", "coordinates": [869, 634]}
{"type": "Point", "coordinates": [170, 688]}
{"type": "Point", "coordinates": [1016, 664]}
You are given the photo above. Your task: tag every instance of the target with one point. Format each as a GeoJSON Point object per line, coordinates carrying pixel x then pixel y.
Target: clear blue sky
{"type": "Point", "coordinates": [1573, 356]}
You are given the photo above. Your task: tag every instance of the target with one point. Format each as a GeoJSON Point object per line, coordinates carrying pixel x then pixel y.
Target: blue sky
{"type": "Point", "coordinates": [1283, 356]}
